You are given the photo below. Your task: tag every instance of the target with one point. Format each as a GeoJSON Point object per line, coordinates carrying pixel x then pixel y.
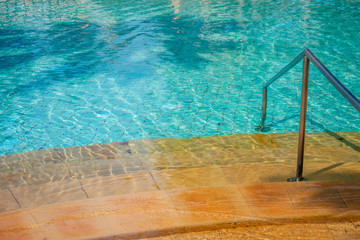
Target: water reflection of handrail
{"type": "Point", "coordinates": [307, 56]}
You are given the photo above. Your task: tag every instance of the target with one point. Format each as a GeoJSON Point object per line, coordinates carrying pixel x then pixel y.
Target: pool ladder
{"type": "Point", "coordinates": [307, 56]}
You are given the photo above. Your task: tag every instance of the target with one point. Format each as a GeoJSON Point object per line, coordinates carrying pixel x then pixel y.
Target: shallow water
{"type": "Point", "coordinates": [83, 72]}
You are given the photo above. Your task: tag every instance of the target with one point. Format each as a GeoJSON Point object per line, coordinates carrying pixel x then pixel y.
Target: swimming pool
{"type": "Point", "coordinates": [83, 72]}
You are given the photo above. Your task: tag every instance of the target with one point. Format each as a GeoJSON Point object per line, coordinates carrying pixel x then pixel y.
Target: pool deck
{"type": "Point", "coordinates": [311, 210]}
{"type": "Point", "coordinates": [223, 187]}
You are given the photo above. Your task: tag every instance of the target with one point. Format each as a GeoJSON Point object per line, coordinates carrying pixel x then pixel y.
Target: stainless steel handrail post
{"type": "Point", "coordinates": [263, 116]}
{"type": "Point", "coordinates": [302, 127]}
{"type": "Point", "coordinates": [261, 127]}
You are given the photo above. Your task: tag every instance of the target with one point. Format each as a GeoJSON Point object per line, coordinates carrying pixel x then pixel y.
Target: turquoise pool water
{"type": "Point", "coordinates": [79, 72]}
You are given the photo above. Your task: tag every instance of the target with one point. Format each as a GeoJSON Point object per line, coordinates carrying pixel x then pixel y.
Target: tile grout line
{"type": "Point", "coordinates": [238, 189]}
{"type": "Point", "coordinates": [176, 208]}
{"type": "Point", "coordinates": [15, 197]}
{"type": "Point", "coordinates": [291, 200]}
{"type": "Point", "coordinates": [339, 192]}
{"type": "Point", "coordinates": [31, 213]}
{"type": "Point", "coordinates": [82, 188]}
{"type": "Point", "coordinates": [246, 202]}
{"type": "Point", "coordinates": [157, 186]}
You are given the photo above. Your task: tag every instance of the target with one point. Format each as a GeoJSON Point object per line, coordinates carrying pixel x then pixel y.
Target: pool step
{"type": "Point", "coordinates": [168, 145]}
{"type": "Point", "coordinates": [47, 172]}
{"type": "Point", "coordinates": [329, 210]}
{"type": "Point", "coordinates": [29, 196]}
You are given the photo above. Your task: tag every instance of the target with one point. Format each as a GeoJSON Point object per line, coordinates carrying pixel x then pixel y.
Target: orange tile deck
{"type": "Point", "coordinates": [167, 212]}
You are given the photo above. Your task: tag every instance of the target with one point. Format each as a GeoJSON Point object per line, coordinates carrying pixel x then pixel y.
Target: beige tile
{"type": "Point", "coordinates": [16, 220]}
{"type": "Point", "coordinates": [316, 198]}
{"type": "Point", "coordinates": [25, 176]}
{"type": "Point", "coordinates": [33, 196]}
{"type": "Point", "coordinates": [120, 148]}
{"type": "Point", "coordinates": [23, 234]}
{"type": "Point", "coordinates": [66, 211]}
{"type": "Point", "coordinates": [141, 214]}
{"type": "Point", "coordinates": [264, 140]}
{"type": "Point", "coordinates": [210, 205]}
{"type": "Point", "coordinates": [90, 152]}
{"type": "Point", "coordinates": [84, 227]}
{"type": "Point", "coordinates": [31, 159]}
{"type": "Point", "coordinates": [70, 154]}
{"type": "Point", "coordinates": [8, 202]}
{"type": "Point", "coordinates": [19, 225]}
{"type": "Point", "coordinates": [72, 220]}
{"type": "Point", "coordinates": [161, 161]}
{"type": "Point", "coordinates": [195, 144]}
{"type": "Point", "coordinates": [299, 199]}
{"type": "Point", "coordinates": [258, 173]}
{"type": "Point", "coordinates": [194, 177]}
{"type": "Point", "coordinates": [133, 163]}
{"type": "Point", "coordinates": [350, 193]}
{"type": "Point", "coordinates": [82, 169]}
{"type": "Point", "coordinates": [271, 200]}
{"type": "Point", "coordinates": [330, 171]}
{"type": "Point", "coordinates": [143, 146]}
{"type": "Point", "coordinates": [120, 184]}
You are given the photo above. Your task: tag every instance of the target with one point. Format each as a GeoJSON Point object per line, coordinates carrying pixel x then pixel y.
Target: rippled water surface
{"type": "Point", "coordinates": [82, 72]}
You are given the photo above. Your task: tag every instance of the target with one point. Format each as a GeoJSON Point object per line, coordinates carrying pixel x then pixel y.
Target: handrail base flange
{"type": "Point", "coordinates": [295, 179]}
{"type": "Point", "coordinates": [262, 128]}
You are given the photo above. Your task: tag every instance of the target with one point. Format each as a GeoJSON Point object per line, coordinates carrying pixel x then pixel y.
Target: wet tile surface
{"type": "Point", "coordinates": [33, 196]}
{"type": "Point", "coordinates": [120, 184]}
{"type": "Point", "coordinates": [27, 175]}
{"type": "Point", "coordinates": [51, 165]}
{"type": "Point", "coordinates": [95, 168]}
{"type": "Point", "coordinates": [194, 177]}
{"type": "Point", "coordinates": [257, 173]}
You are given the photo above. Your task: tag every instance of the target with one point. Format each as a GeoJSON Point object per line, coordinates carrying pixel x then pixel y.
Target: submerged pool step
{"type": "Point", "coordinates": [167, 145]}
{"type": "Point", "coordinates": [85, 168]}
{"type": "Point", "coordinates": [54, 165]}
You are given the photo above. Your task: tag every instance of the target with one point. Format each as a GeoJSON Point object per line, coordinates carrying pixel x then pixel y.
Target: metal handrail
{"type": "Point", "coordinates": [307, 56]}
